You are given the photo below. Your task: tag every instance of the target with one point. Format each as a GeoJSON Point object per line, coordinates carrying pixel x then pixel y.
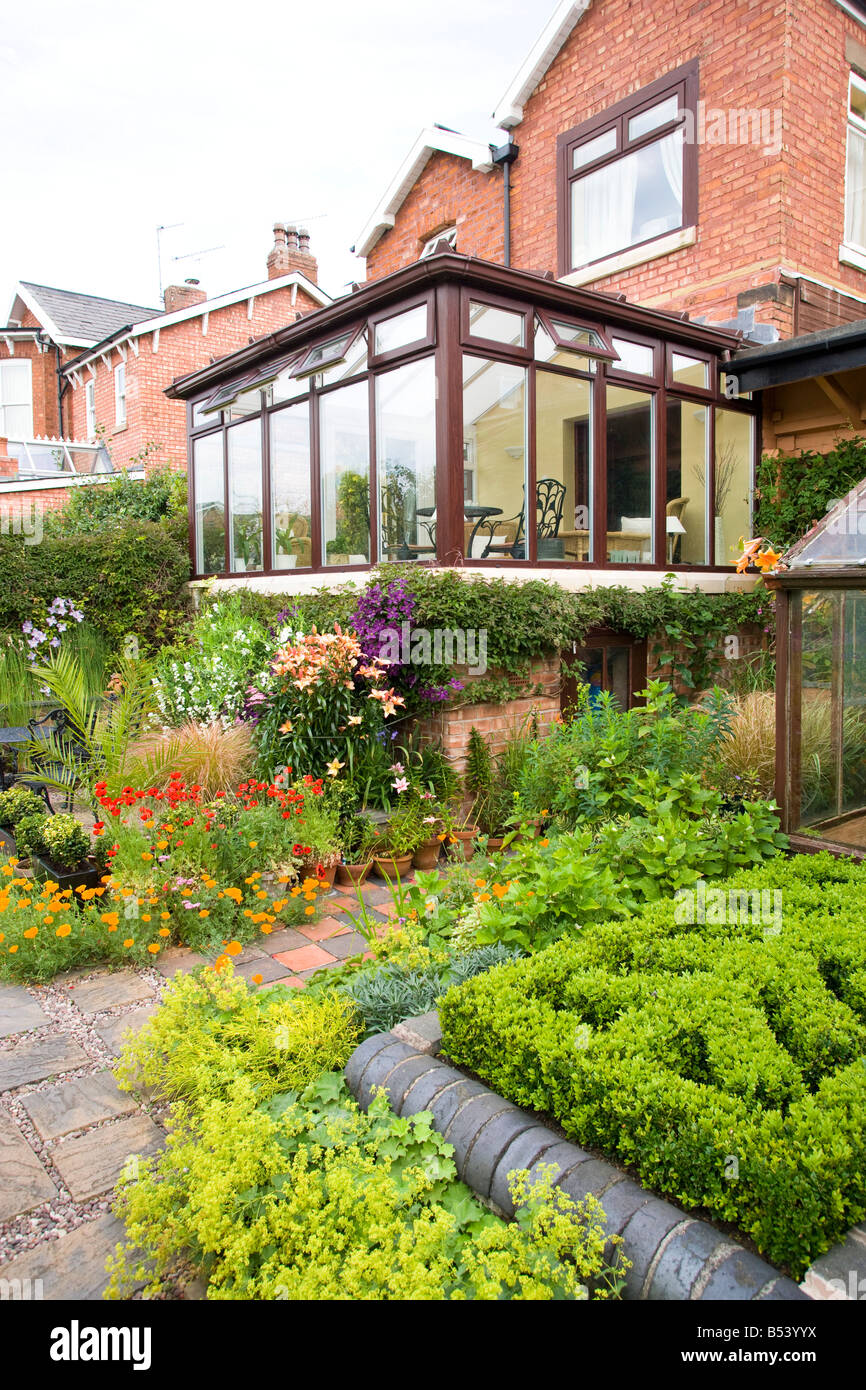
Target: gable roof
{"type": "Point", "coordinates": [77, 319]}
{"type": "Point", "coordinates": [431, 140]}
{"type": "Point", "coordinates": [509, 109]}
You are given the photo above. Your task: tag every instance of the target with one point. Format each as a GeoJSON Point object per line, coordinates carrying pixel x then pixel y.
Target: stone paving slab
{"type": "Point", "coordinates": [71, 1266]}
{"type": "Point", "coordinates": [91, 1164]}
{"type": "Point", "coordinates": [108, 990]}
{"type": "Point", "coordinates": [286, 939]}
{"type": "Point", "coordinates": [350, 944]}
{"type": "Point", "coordinates": [76, 1104]}
{"type": "Point", "coordinates": [178, 958]}
{"type": "Point", "coordinates": [24, 1183]}
{"type": "Point", "coordinates": [19, 1011]}
{"type": "Point", "coordinates": [268, 970]}
{"type": "Point", "coordinates": [35, 1060]}
{"type": "Point", "coordinates": [113, 1029]}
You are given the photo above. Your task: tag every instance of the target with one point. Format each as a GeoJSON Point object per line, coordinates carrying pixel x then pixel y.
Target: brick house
{"type": "Point", "coordinates": [82, 379]}
{"type": "Point", "coordinates": [696, 156]}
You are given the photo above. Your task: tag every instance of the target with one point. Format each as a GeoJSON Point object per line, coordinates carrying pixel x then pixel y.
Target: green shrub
{"type": "Point", "coordinates": [16, 803]}
{"type": "Point", "coordinates": [64, 841]}
{"type": "Point", "coordinates": [131, 578]}
{"type": "Point", "coordinates": [794, 491]}
{"type": "Point", "coordinates": [28, 834]}
{"type": "Point", "coordinates": [721, 1057]}
{"type": "Point", "coordinates": [118, 500]}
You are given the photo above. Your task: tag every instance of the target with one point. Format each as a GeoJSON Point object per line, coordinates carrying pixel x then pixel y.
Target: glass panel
{"type": "Point", "coordinates": [40, 460]}
{"type": "Point", "coordinates": [494, 449]}
{"type": "Point", "coordinates": [499, 325]}
{"type": "Point", "coordinates": [689, 371]}
{"type": "Point", "coordinates": [854, 714]}
{"type": "Point", "coordinates": [199, 418]}
{"type": "Point", "coordinates": [290, 486]}
{"type": "Point", "coordinates": [90, 460]}
{"type": "Point", "coordinates": [546, 350]}
{"type": "Point", "coordinates": [819, 772]}
{"type": "Point", "coordinates": [324, 353]}
{"type": "Point", "coordinates": [402, 329]}
{"type": "Point", "coordinates": [732, 392]}
{"type": "Point", "coordinates": [210, 512]}
{"type": "Point", "coordinates": [841, 539]}
{"type": "Point", "coordinates": [633, 357]}
{"type": "Point", "coordinates": [563, 452]}
{"type": "Point", "coordinates": [406, 460]}
{"type": "Point", "coordinates": [355, 362]}
{"type": "Point", "coordinates": [618, 675]}
{"type": "Point", "coordinates": [658, 115]}
{"type": "Point", "coordinates": [632, 199]}
{"type": "Point", "coordinates": [573, 333]}
{"type": "Point", "coordinates": [344, 450]}
{"type": "Point", "coordinates": [857, 99]}
{"type": "Point", "coordinates": [855, 189]}
{"type": "Point", "coordinates": [286, 387]}
{"type": "Point", "coordinates": [594, 149]}
{"type": "Point", "coordinates": [629, 476]}
{"type": "Point", "coordinates": [733, 494]}
{"type": "Point", "coordinates": [686, 501]}
{"type": "Point", "coordinates": [245, 496]}
{"type": "Point", "coordinates": [247, 403]}
{"type": "Point", "coordinates": [589, 662]}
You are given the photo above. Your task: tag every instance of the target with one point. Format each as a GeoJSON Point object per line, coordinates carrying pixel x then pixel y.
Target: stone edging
{"type": "Point", "coordinates": [674, 1257]}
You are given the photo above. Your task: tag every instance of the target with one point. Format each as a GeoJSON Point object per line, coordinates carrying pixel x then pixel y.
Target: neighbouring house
{"type": "Point", "coordinates": [82, 379]}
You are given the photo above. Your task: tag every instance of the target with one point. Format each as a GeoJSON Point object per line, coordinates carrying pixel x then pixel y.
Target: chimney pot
{"type": "Point", "coordinates": [291, 251]}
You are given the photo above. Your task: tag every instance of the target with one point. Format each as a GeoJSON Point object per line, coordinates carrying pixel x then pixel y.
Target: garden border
{"type": "Point", "coordinates": [673, 1256]}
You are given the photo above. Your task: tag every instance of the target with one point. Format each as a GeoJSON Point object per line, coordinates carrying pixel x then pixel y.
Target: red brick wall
{"type": "Point", "coordinates": [756, 212]}
{"type": "Point", "coordinates": [153, 419]}
{"type": "Point", "coordinates": [448, 192]}
{"type": "Point", "coordinates": [452, 725]}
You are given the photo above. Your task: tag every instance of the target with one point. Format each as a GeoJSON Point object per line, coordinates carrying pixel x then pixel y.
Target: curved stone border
{"type": "Point", "coordinates": [674, 1257]}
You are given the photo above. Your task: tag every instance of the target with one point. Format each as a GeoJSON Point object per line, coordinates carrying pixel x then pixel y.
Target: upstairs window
{"type": "Point", "coordinates": [16, 400]}
{"type": "Point", "coordinates": [629, 176]}
{"type": "Point", "coordinates": [855, 173]}
{"type": "Point", "coordinates": [90, 408]}
{"type": "Point", "coordinates": [120, 395]}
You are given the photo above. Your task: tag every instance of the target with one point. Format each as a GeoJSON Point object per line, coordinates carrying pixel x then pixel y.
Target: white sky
{"type": "Point", "coordinates": [226, 118]}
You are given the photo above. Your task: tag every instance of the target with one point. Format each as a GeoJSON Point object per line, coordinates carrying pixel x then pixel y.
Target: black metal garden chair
{"type": "Point", "coordinates": [549, 504]}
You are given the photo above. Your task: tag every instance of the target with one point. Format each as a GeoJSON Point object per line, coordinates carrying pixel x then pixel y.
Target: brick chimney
{"type": "Point", "coordinates": [292, 252]}
{"type": "Point", "coordinates": [182, 296]}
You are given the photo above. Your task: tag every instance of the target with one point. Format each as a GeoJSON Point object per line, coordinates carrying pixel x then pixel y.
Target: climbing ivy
{"type": "Point", "coordinates": [795, 490]}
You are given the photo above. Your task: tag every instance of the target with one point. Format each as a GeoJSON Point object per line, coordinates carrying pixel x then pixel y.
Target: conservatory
{"type": "Point", "coordinates": [460, 412]}
{"type": "Point", "coordinates": [821, 682]}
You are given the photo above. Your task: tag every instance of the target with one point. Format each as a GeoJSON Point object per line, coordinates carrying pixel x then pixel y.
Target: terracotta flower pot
{"type": "Point", "coordinates": [427, 854]}
{"type": "Point", "coordinates": [315, 869]}
{"type": "Point", "coordinates": [389, 866]}
{"type": "Point", "coordinates": [353, 875]}
{"type": "Point", "coordinates": [465, 838]}
{"type": "Point", "coordinates": [494, 842]}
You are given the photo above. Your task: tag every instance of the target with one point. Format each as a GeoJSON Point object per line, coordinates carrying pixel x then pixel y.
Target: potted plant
{"type": "Point", "coordinates": [15, 804]}
{"type": "Point", "coordinates": [434, 822]}
{"type": "Point", "coordinates": [59, 850]}
{"type": "Point", "coordinates": [463, 829]}
{"type": "Point", "coordinates": [404, 835]}
{"type": "Point", "coordinates": [359, 838]}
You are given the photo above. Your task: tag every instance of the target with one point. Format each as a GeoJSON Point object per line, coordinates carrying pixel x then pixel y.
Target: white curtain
{"type": "Point", "coordinates": [671, 150]}
{"type": "Point", "coordinates": [603, 211]}
{"type": "Point", "coordinates": [855, 189]}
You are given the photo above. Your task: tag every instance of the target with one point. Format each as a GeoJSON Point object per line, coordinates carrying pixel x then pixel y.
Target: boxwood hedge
{"type": "Point", "coordinates": [724, 1059]}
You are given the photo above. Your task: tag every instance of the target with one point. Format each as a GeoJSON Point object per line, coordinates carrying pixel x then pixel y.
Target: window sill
{"type": "Point", "coordinates": [849, 255]}
{"type": "Point", "coordinates": [634, 256]}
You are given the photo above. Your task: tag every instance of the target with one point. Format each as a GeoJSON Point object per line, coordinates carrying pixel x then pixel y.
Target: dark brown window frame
{"type": "Point", "coordinates": [614, 369]}
{"type": "Point", "coordinates": [605, 353]}
{"type": "Point", "coordinates": [707, 392]}
{"type": "Point", "coordinates": [513, 351]}
{"type": "Point", "coordinates": [301, 369]}
{"type": "Point", "coordinates": [393, 355]}
{"type": "Point", "coordinates": [684, 82]}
